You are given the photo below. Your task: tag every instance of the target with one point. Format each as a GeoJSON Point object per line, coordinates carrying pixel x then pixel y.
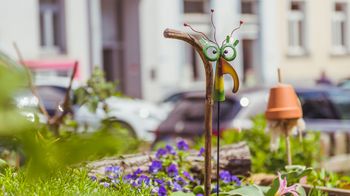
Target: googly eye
{"type": "Point", "coordinates": [229, 53]}
{"type": "Point", "coordinates": [211, 53]}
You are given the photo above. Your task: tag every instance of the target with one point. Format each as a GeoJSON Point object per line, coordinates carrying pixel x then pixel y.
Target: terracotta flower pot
{"type": "Point", "coordinates": [283, 103]}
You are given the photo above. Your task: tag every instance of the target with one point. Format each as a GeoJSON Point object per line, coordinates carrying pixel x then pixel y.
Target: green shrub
{"type": "Point", "coordinates": [306, 152]}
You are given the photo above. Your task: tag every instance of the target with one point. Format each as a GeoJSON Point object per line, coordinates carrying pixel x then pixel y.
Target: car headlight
{"type": "Point", "coordinates": [244, 101]}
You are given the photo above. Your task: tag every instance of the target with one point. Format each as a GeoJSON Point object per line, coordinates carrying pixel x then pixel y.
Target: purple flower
{"type": "Point", "coordinates": [188, 176]}
{"type": "Point", "coordinates": [200, 194]}
{"type": "Point", "coordinates": [201, 152]}
{"type": "Point", "coordinates": [128, 177]}
{"type": "Point", "coordinates": [155, 167]}
{"type": "Point", "coordinates": [135, 174]}
{"type": "Point", "coordinates": [177, 187]}
{"type": "Point", "coordinates": [182, 145]}
{"type": "Point", "coordinates": [172, 170]}
{"type": "Point", "coordinates": [134, 184]}
{"type": "Point", "coordinates": [93, 178]}
{"type": "Point", "coordinates": [112, 172]}
{"type": "Point", "coordinates": [225, 176]}
{"type": "Point", "coordinates": [161, 152]}
{"type": "Point", "coordinates": [181, 181]}
{"type": "Point", "coordinates": [105, 184]}
{"type": "Point", "coordinates": [138, 171]}
{"type": "Point", "coordinates": [236, 180]}
{"type": "Point", "coordinates": [162, 191]}
{"type": "Point", "coordinates": [158, 181]}
{"type": "Point", "coordinates": [143, 178]}
{"type": "Point", "coordinates": [113, 169]}
{"type": "Point", "coordinates": [170, 149]}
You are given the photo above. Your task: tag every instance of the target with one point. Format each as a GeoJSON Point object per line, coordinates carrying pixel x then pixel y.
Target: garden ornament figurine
{"type": "Point", "coordinates": [210, 51]}
{"type": "Point", "coordinates": [284, 115]}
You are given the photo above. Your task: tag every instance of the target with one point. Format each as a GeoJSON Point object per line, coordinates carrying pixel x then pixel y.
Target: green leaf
{"type": "Point", "coordinates": [301, 191]}
{"type": "Point", "coordinates": [247, 191]}
{"type": "Point", "coordinates": [198, 189]}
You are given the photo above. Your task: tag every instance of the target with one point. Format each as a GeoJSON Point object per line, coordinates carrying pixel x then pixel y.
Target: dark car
{"type": "Point", "coordinates": [324, 108]}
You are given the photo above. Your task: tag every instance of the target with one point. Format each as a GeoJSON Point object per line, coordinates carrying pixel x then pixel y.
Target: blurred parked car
{"type": "Point", "coordinates": [139, 116]}
{"type": "Point", "coordinates": [324, 108]}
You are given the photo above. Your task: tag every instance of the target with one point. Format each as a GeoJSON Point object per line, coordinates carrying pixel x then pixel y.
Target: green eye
{"type": "Point", "coordinates": [228, 52]}
{"type": "Point", "coordinates": [211, 53]}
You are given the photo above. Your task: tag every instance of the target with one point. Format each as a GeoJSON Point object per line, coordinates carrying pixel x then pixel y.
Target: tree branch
{"type": "Point", "coordinates": [66, 104]}
{"type": "Point", "coordinates": [174, 34]}
{"type": "Point", "coordinates": [30, 80]}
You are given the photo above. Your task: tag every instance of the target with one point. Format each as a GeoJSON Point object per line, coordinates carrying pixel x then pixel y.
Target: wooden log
{"type": "Point", "coordinates": [234, 158]}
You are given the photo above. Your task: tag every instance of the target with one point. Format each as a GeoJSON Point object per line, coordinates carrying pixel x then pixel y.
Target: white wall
{"type": "Point", "coordinates": [77, 34]}
{"type": "Point", "coordinates": [162, 55]}
{"type": "Point", "coordinates": [269, 34]}
{"type": "Point", "coordinates": [19, 22]}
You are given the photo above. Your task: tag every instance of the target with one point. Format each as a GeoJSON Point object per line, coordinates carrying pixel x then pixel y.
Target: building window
{"type": "Point", "coordinates": [339, 28]}
{"type": "Point", "coordinates": [248, 6]}
{"type": "Point", "coordinates": [52, 38]}
{"type": "Point", "coordinates": [296, 28]}
{"type": "Point", "coordinates": [195, 6]}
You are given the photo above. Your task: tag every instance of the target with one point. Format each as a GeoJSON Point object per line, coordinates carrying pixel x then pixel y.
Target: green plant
{"type": "Point", "coordinates": [61, 182]}
{"type": "Point", "coordinates": [328, 179]}
{"type": "Point", "coordinates": [306, 152]}
{"type": "Point", "coordinates": [96, 91]}
{"type": "Point", "coordinates": [40, 150]}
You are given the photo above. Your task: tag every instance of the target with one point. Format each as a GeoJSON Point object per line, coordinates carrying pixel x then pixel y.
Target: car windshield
{"type": "Point", "coordinates": [194, 109]}
{"type": "Point", "coordinates": [341, 101]}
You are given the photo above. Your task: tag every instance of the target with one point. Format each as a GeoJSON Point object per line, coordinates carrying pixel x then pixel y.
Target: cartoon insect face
{"type": "Point", "coordinates": [221, 55]}
{"type": "Point", "coordinates": [212, 51]}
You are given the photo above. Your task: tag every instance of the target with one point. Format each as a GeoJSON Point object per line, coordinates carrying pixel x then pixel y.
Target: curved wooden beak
{"type": "Point", "coordinates": [228, 69]}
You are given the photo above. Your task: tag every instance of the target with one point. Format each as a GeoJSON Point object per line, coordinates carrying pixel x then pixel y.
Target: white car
{"type": "Point", "coordinates": [140, 117]}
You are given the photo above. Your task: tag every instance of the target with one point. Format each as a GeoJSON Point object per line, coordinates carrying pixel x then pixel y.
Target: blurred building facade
{"type": "Point", "coordinates": [125, 38]}
{"type": "Point", "coordinates": [313, 37]}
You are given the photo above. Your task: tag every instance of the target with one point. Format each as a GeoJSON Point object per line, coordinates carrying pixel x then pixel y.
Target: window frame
{"type": "Point", "coordinates": [296, 17]}
{"type": "Point", "coordinates": [337, 48]}
{"type": "Point", "coordinates": [47, 27]}
{"type": "Point", "coordinates": [205, 6]}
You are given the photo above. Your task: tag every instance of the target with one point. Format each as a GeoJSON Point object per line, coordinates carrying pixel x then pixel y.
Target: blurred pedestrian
{"type": "Point", "coordinates": [323, 80]}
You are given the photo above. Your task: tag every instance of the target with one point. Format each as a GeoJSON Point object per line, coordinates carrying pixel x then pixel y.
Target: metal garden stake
{"type": "Point", "coordinates": [210, 51]}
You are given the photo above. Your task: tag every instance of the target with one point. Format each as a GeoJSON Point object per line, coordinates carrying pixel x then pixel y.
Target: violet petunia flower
{"type": "Point", "coordinates": [182, 145]}
{"type": "Point", "coordinates": [177, 187]}
{"type": "Point", "coordinates": [188, 176]}
{"type": "Point", "coordinates": [225, 176]}
{"type": "Point", "coordinates": [283, 189]}
{"type": "Point", "coordinates": [162, 191]}
{"type": "Point", "coordinates": [155, 167]}
{"type": "Point", "coordinates": [201, 152]}
{"type": "Point", "coordinates": [161, 152]}
{"type": "Point", "coordinates": [93, 178]}
{"type": "Point", "coordinates": [143, 179]}
{"type": "Point", "coordinates": [180, 180]}
{"type": "Point", "coordinates": [236, 180]}
{"type": "Point", "coordinates": [113, 172]}
{"type": "Point", "coordinates": [159, 181]}
{"type": "Point", "coordinates": [105, 184]}
{"type": "Point", "coordinates": [170, 149]}
{"type": "Point", "coordinates": [172, 170]}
